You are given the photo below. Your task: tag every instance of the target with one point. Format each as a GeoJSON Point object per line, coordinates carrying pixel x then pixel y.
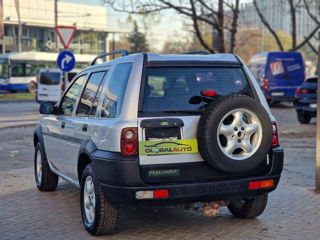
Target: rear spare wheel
{"type": "Point", "coordinates": [234, 133]}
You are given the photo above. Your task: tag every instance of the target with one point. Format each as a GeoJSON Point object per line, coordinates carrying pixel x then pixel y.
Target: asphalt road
{"type": "Point", "coordinates": [18, 113]}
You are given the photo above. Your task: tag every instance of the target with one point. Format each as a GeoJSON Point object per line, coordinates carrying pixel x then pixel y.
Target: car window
{"type": "Point", "coordinates": [69, 99]}
{"type": "Point", "coordinates": [172, 88]}
{"type": "Point", "coordinates": [50, 78]}
{"type": "Point", "coordinates": [90, 96]}
{"type": "Point", "coordinates": [112, 102]}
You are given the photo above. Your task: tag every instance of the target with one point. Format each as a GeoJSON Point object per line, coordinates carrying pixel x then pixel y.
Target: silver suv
{"type": "Point", "coordinates": [160, 129]}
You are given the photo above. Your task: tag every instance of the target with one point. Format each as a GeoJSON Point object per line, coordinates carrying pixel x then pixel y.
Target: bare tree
{"type": "Point", "coordinates": [293, 10]}
{"type": "Point", "coordinates": [198, 11]}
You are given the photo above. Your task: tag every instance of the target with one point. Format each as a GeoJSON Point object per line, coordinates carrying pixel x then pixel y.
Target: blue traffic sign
{"type": "Point", "coordinates": [66, 61]}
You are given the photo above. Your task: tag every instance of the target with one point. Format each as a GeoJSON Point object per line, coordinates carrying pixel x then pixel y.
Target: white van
{"type": "Point", "coordinates": [51, 84]}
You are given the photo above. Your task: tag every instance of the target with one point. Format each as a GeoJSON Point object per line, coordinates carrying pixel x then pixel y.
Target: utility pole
{"type": "Point", "coordinates": [17, 4]}
{"type": "Point", "coordinates": [318, 125]}
{"type": "Point", "coordinates": [2, 28]}
{"type": "Point", "coordinates": [56, 23]}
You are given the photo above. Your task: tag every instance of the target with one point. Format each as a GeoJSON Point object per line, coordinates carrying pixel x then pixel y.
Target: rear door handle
{"type": "Point", "coordinates": [63, 124]}
{"type": "Point", "coordinates": [85, 127]}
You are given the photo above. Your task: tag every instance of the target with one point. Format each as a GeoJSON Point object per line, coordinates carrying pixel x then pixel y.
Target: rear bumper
{"type": "Point", "coordinates": [120, 180]}
{"type": "Point", "coordinates": [304, 106]}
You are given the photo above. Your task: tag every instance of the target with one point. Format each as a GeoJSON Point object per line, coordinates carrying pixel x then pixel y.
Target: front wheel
{"type": "Point", "coordinates": [45, 179]}
{"type": "Point", "coordinates": [99, 216]}
{"type": "Point", "coordinates": [249, 208]}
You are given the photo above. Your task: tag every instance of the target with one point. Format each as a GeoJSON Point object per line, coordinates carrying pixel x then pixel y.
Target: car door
{"type": "Point", "coordinates": [60, 144]}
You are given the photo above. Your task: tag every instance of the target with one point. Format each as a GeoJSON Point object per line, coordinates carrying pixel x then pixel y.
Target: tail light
{"type": "Point", "coordinates": [129, 142]}
{"type": "Point", "coordinates": [62, 84]}
{"type": "Point", "coordinates": [265, 84]}
{"type": "Point", "coordinates": [275, 138]}
{"type": "Point", "coordinates": [37, 82]}
{"type": "Point", "coordinates": [300, 91]}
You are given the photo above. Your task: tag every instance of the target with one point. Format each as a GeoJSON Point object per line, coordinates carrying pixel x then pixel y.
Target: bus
{"type": "Point", "coordinates": [18, 70]}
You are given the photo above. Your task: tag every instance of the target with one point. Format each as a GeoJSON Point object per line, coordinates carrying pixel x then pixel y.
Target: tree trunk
{"type": "Point", "coordinates": [234, 26]}
{"type": "Point", "coordinates": [220, 29]}
{"type": "Point", "coordinates": [293, 24]}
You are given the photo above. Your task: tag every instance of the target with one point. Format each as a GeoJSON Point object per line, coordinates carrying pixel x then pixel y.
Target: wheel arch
{"type": "Point", "coordinates": [85, 156]}
{"type": "Point", "coordinates": [37, 136]}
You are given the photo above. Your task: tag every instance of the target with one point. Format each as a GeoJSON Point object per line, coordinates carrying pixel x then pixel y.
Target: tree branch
{"type": "Point", "coordinates": [312, 47]}
{"type": "Point", "coordinates": [196, 27]}
{"type": "Point", "coordinates": [264, 21]}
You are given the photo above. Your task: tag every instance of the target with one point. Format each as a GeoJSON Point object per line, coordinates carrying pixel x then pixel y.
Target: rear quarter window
{"type": "Point", "coordinates": [115, 90]}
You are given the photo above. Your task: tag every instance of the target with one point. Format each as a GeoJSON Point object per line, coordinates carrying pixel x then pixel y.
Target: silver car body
{"type": "Point", "coordinates": [62, 145]}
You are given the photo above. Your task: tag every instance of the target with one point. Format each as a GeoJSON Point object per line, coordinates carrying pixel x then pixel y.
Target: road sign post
{"type": "Point", "coordinates": [318, 125]}
{"type": "Point", "coordinates": [66, 60]}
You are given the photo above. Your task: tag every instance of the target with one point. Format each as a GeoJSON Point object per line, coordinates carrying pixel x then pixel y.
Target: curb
{"type": "Point", "coordinates": [17, 100]}
{"type": "Point", "coordinates": [19, 126]}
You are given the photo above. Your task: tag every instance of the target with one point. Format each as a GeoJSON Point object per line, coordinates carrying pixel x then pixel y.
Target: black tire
{"type": "Point", "coordinates": [105, 214]}
{"type": "Point", "coordinates": [249, 208]}
{"type": "Point", "coordinates": [32, 87]}
{"type": "Point", "coordinates": [208, 142]}
{"type": "Point", "coordinates": [303, 118]}
{"type": "Point", "coordinates": [47, 181]}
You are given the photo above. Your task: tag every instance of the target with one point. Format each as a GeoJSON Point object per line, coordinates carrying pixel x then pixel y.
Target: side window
{"type": "Point", "coordinates": [69, 99]}
{"type": "Point", "coordinates": [90, 96]}
{"type": "Point", "coordinates": [112, 102]}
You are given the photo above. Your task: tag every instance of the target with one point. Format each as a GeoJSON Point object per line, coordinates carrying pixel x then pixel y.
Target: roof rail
{"type": "Point", "coordinates": [201, 52]}
{"type": "Point", "coordinates": [123, 53]}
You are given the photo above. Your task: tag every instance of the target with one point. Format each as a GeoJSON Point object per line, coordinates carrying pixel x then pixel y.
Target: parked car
{"type": "Point", "coordinates": [160, 129]}
{"type": "Point", "coordinates": [278, 74]}
{"type": "Point", "coordinates": [51, 84]}
{"type": "Point", "coordinates": [306, 100]}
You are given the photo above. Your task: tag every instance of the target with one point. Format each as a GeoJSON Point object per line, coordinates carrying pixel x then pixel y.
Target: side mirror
{"type": "Point", "coordinates": [47, 108]}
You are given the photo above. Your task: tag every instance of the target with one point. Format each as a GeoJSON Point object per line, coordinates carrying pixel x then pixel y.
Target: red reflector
{"type": "Point", "coordinates": [268, 97]}
{"type": "Point", "coordinates": [160, 194]}
{"type": "Point", "coordinates": [261, 184]}
{"type": "Point", "coordinates": [208, 93]}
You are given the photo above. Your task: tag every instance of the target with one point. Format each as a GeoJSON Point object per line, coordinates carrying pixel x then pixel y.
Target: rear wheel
{"type": "Point", "coordinates": [249, 208]}
{"type": "Point", "coordinates": [99, 216]}
{"type": "Point", "coordinates": [303, 118]}
{"type": "Point", "coordinates": [45, 179]}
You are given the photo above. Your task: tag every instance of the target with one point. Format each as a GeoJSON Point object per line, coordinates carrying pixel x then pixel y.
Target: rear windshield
{"type": "Point", "coordinates": [172, 88]}
{"type": "Point", "coordinates": [312, 80]}
{"type": "Point", "coordinates": [50, 78]}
